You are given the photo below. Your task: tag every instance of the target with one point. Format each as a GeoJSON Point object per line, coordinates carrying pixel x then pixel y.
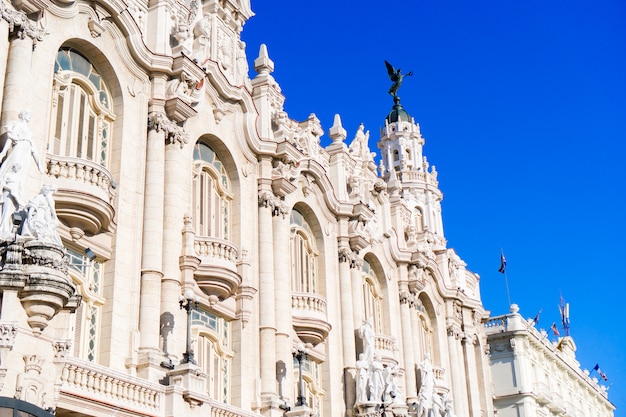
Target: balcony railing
{"type": "Point", "coordinates": [216, 249]}
{"type": "Point", "coordinates": [308, 301]}
{"type": "Point", "coordinates": [82, 171]}
{"type": "Point", "coordinates": [98, 383]}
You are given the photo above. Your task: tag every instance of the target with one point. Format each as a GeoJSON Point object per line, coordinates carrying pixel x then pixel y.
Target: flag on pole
{"type": "Point", "coordinates": [599, 371]}
{"type": "Point", "coordinates": [554, 329]}
{"type": "Point", "coordinates": [502, 268]}
{"type": "Point", "coordinates": [536, 319]}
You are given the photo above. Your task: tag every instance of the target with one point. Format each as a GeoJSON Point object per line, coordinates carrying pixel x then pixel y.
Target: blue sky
{"type": "Point", "coordinates": [523, 107]}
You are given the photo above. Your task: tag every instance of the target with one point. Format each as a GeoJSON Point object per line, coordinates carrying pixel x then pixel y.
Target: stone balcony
{"type": "Point", "coordinates": [87, 388]}
{"type": "Point", "coordinates": [309, 317]}
{"type": "Point", "coordinates": [84, 196]}
{"type": "Point", "coordinates": [385, 345]}
{"type": "Point", "coordinates": [217, 273]}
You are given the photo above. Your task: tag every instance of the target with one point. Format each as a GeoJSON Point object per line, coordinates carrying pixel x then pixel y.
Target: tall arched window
{"type": "Point", "coordinates": [312, 378]}
{"type": "Point", "coordinates": [212, 195]}
{"type": "Point", "coordinates": [212, 351]}
{"type": "Point", "coordinates": [82, 108]}
{"type": "Point", "coordinates": [87, 276]}
{"type": "Point", "coordinates": [303, 255]}
{"type": "Point", "coordinates": [372, 297]}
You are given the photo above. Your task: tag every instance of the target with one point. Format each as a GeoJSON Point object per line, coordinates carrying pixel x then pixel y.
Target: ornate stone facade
{"type": "Point", "coordinates": [168, 171]}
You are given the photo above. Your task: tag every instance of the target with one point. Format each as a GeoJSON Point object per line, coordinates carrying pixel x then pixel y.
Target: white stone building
{"type": "Point", "coordinates": [149, 166]}
{"type": "Point", "coordinates": [533, 376]}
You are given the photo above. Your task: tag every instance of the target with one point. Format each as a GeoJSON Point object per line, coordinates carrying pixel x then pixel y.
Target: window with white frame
{"type": "Point", "coordinates": [212, 352]}
{"type": "Point", "coordinates": [303, 255]}
{"type": "Point", "coordinates": [87, 275]}
{"type": "Point", "coordinates": [212, 195]}
{"type": "Point", "coordinates": [372, 297]}
{"type": "Point", "coordinates": [83, 116]}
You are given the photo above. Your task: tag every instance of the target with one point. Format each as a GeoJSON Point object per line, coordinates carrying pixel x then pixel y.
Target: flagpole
{"type": "Point", "coordinates": [503, 271]}
{"type": "Point", "coordinates": [506, 282]}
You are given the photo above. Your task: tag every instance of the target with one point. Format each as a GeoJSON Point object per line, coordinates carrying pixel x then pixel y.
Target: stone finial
{"type": "Point", "coordinates": [263, 64]}
{"type": "Point", "coordinates": [337, 132]}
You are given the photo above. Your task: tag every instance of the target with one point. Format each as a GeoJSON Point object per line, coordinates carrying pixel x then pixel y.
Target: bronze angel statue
{"type": "Point", "coordinates": [396, 76]}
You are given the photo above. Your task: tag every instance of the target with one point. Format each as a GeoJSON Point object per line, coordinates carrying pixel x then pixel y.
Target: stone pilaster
{"type": "Point", "coordinates": [469, 347]}
{"type": "Point", "coordinates": [407, 339]}
{"type": "Point", "coordinates": [152, 241]}
{"type": "Point", "coordinates": [267, 313]}
{"type": "Point", "coordinates": [457, 369]}
{"type": "Point", "coordinates": [282, 301]}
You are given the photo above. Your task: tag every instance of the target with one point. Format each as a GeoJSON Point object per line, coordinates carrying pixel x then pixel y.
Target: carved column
{"type": "Point", "coordinates": [357, 290]}
{"type": "Point", "coordinates": [152, 239]}
{"type": "Point", "coordinates": [408, 339]}
{"type": "Point", "coordinates": [347, 324]}
{"type": "Point", "coordinates": [457, 369]}
{"type": "Point", "coordinates": [23, 35]}
{"type": "Point", "coordinates": [175, 205]}
{"type": "Point", "coordinates": [267, 317]}
{"type": "Point", "coordinates": [282, 299]}
{"type": "Point", "coordinates": [469, 346]}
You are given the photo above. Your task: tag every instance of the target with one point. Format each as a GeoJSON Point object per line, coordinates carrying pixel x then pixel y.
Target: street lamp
{"type": "Point", "coordinates": [300, 353]}
{"type": "Point", "coordinates": [188, 303]}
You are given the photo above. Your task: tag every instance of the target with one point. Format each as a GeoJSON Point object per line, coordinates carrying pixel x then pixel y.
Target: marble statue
{"type": "Point", "coordinates": [19, 148]}
{"type": "Point", "coordinates": [392, 390]}
{"type": "Point", "coordinates": [202, 40]}
{"type": "Point", "coordinates": [366, 332]}
{"type": "Point", "coordinates": [377, 381]}
{"type": "Point", "coordinates": [363, 379]}
{"type": "Point", "coordinates": [11, 199]}
{"type": "Point", "coordinates": [427, 390]}
{"type": "Point", "coordinates": [41, 220]}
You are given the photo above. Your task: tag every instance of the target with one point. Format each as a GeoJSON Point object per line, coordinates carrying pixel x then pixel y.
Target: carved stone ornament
{"type": "Point", "coordinates": [174, 134]}
{"type": "Point", "coordinates": [61, 349]}
{"type": "Point", "coordinates": [21, 26]}
{"type": "Point", "coordinates": [8, 331]}
{"type": "Point", "coordinates": [269, 200]}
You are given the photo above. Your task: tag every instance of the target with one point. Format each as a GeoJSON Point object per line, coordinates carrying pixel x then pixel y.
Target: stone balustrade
{"type": "Point", "coordinates": [385, 343]}
{"type": "Point", "coordinates": [308, 301]}
{"type": "Point", "coordinates": [219, 409]}
{"type": "Point", "coordinates": [215, 248]}
{"type": "Point", "coordinates": [79, 170]}
{"type": "Point", "coordinates": [438, 373]}
{"type": "Point", "coordinates": [90, 380]}
{"type": "Point", "coordinates": [419, 176]}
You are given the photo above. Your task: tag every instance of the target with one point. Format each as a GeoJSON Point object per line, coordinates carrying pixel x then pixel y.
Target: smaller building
{"type": "Point", "coordinates": [536, 377]}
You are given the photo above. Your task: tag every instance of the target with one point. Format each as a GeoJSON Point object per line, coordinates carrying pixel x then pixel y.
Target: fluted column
{"type": "Point", "coordinates": [282, 301]}
{"type": "Point", "coordinates": [267, 313]}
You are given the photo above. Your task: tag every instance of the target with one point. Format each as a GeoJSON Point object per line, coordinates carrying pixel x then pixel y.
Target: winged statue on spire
{"type": "Point", "coordinates": [396, 76]}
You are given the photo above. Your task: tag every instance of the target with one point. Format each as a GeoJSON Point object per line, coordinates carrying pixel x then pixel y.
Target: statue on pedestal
{"type": "Point", "coordinates": [41, 220]}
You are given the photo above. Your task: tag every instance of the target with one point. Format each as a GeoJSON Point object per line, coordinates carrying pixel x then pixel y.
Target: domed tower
{"type": "Point", "coordinates": [408, 173]}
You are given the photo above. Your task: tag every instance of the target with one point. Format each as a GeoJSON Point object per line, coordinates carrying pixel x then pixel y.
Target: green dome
{"type": "Point", "coordinates": [398, 114]}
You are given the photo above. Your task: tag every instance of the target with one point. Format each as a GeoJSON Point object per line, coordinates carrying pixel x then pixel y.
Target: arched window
{"type": "Point", "coordinates": [303, 255]}
{"type": "Point", "coordinates": [212, 195]}
{"type": "Point", "coordinates": [418, 219]}
{"type": "Point", "coordinates": [212, 352]}
{"type": "Point", "coordinates": [372, 297]}
{"type": "Point", "coordinates": [87, 275]}
{"type": "Point", "coordinates": [82, 109]}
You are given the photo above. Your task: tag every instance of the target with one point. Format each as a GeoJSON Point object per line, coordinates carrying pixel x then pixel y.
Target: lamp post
{"type": "Point", "coordinates": [300, 353]}
{"type": "Point", "coordinates": [188, 303]}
